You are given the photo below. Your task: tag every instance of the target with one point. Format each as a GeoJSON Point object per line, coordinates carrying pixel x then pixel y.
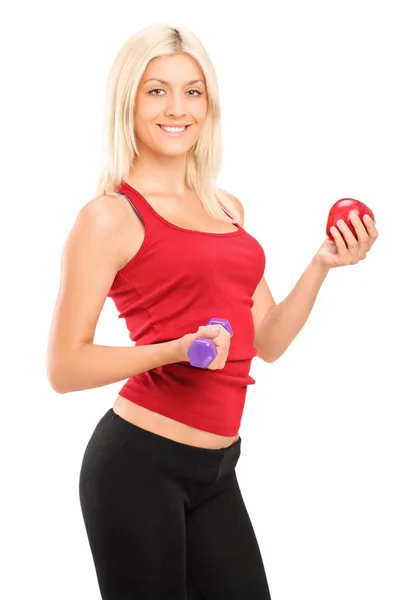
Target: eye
{"type": "Point", "coordinates": [150, 92]}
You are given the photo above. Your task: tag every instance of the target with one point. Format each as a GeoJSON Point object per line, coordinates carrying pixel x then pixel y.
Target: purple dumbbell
{"type": "Point", "coordinates": [202, 351]}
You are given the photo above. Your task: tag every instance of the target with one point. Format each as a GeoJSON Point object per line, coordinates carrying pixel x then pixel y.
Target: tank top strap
{"type": "Point", "coordinates": [226, 212]}
{"type": "Point", "coordinates": [140, 207]}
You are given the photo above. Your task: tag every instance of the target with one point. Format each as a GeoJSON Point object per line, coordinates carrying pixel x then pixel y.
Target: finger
{"type": "Point", "coordinates": [368, 220]}
{"type": "Point", "coordinates": [221, 358]}
{"type": "Point", "coordinates": [219, 329]}
{"type": "Point", "coordinates": [224, 331]}
{"type": "Point", "coordinates": [339, 241]}
{"type": "Point", "coordinates": [364, 242]}
{"type": "Point", "coordinates": [352, 244]}
{"type": "Point", "coordinates": [370, 224]}
{"type": "Point", "coordinates": [361, 231]}
{"type": "Point", "coordinates": [221, 339]}
{"type": "Point", "coordinates": [208, 331]}
{"type": "Point", "coordinates": [222, 343]}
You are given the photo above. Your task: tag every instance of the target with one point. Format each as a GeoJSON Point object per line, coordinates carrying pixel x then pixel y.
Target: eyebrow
{"type": "Point", "coordinates": [192, 82]}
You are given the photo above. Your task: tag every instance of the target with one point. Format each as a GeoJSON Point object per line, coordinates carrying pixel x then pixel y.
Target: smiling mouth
{"type": "Point", "coordinates": [173, 126]}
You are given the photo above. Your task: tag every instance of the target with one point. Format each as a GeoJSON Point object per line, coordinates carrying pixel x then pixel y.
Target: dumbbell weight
{"type": "Point", "coordinates": [202, 351]}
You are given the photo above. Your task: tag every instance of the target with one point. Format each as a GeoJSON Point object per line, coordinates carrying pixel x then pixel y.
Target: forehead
{"type": "Point", "coordinates": [177, 68]}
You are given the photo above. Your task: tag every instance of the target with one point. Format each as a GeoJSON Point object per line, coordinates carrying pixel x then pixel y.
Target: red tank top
{"type": "Point", "coordinates": [178, 280]}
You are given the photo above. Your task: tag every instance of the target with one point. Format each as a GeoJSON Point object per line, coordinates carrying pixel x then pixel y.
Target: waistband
{"type": "Point", "coordinates": [183, 453]}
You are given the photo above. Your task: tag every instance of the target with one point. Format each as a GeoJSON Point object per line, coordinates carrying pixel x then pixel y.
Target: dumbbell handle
{"type": "Point", "coordinates": [202, 351]}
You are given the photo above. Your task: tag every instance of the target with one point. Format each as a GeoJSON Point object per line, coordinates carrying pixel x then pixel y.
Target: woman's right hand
{"type": "Point", "coordinates": [220, 336]}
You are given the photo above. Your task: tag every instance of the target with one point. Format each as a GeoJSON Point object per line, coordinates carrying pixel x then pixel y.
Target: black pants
{"type": "Point", "coordinates": [166, 520]}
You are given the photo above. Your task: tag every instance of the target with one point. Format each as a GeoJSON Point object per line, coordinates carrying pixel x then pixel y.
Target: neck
{"type": "Point", "coordinates": [158, 173]}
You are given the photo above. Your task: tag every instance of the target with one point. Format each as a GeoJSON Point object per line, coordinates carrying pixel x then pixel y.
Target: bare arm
{"type": "Point", "coordinates": [92, 255]}
{"type": "Point", "coordinates": [285, 320]}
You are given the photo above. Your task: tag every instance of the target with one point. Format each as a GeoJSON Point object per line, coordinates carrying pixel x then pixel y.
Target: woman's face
{"type": "Point", "coordinates": [179, 99]}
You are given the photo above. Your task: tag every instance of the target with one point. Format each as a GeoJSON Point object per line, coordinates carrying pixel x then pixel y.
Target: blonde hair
{"type": "Point", "coordinates": [119, 143]}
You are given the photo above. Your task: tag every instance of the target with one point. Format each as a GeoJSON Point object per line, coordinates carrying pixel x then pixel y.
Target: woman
{"type": "Point", "coordinates": [161, 504]}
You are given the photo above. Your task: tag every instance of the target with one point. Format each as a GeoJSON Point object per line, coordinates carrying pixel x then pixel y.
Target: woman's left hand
{"type": "Point", "coordinates": [348, 251]}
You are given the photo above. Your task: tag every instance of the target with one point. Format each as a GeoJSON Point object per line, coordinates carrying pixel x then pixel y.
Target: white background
{"type": "Point", "coordinates": [310, 103]}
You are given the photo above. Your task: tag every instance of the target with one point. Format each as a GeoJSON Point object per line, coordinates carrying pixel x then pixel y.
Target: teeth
{"type": "Point", "coordinates": [173, 129]}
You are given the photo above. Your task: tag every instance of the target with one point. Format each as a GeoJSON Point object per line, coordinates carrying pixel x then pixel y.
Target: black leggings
{"type": "Point", "coordinates": [166, 520]}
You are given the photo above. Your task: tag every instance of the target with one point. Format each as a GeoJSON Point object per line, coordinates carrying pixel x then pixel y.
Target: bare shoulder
{"type": "Point", "coordinates": [237, 204]}
{"type": "Point", "coordinates": [102, 224]}
{"type": "Point", "coordinates": [92, 255]}
{"type": "Point", "coordinates": [105, 211]}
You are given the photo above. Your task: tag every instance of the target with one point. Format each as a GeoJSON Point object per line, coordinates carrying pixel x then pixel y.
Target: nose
{"type": "Point", "coordinates": [175, 105]}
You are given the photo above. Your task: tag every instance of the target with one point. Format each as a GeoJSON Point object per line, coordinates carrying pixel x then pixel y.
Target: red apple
{"type": "Point", "coordinates": [341, 210]}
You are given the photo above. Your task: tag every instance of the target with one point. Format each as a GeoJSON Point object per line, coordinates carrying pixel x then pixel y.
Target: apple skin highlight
{"type": "Point", "coordinates": [342, 209]}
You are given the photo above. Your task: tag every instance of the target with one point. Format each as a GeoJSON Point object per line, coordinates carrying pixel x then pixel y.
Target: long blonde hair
{"type": "Point", "coordinates": [119, 142]}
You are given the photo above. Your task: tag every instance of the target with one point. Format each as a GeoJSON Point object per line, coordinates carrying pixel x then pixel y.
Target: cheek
{"type": "Point", "coordinates": [201, 111]}
{"type": "Point", "coordinates": [145, 112]}
{"type": "Point", "coordinates": [143, 126]}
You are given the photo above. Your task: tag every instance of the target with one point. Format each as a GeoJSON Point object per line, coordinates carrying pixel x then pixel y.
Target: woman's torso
{"type": "Point", "coordinates": [189, 214]}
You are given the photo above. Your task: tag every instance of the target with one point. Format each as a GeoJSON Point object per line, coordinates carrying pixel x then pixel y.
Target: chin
{"type": "Point", "coordinates": [172, 152]}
